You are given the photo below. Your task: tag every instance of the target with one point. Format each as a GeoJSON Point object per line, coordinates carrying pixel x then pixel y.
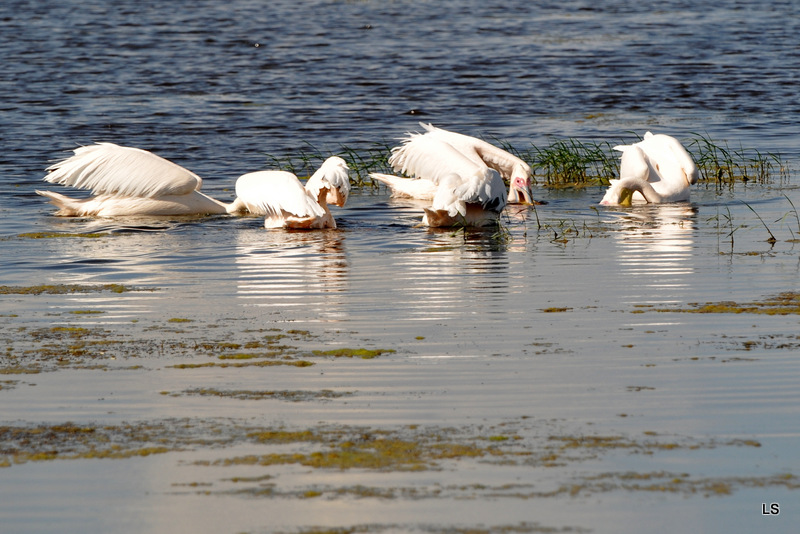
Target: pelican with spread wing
{"type": "Point", "coordinates": [131, 181]}
{"type": "Point", "coordinates": [425, 158]}
{"type": "Point", "coordinates": [462, 177]}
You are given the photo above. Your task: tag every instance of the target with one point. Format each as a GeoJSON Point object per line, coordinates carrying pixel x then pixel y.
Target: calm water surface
{"type": "Point", "coordinates": [572, 326]}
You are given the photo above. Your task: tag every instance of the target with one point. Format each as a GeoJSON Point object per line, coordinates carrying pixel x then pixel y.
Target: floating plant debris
{"type": "Point", "coordinates": [259, 363]}
{"type": "Point", "coordinates": [364, 354]}
{"type": "Point", "coordinates": [239, 394]}
{"type": "Point", "coordinates": [786, 303]}
{"type": "Point", "coordinates": [51, 235]}
{"type": "Point", "coordinates": [61, 289]}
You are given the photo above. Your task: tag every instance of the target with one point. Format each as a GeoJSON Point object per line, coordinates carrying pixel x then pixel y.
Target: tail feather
{"type": "Point", "coordinates": [407, 187]}
{"type": "Point", "coordinates": [67, 207]}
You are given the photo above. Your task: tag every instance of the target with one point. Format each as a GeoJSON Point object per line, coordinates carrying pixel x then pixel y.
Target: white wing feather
{"type": "Point", "coordinates": [672, 157]}
{"type": "Point", "coordinates": [448, 197]}
{"type": "Point", "coordinates": [426, 157]}
{"type": "Point", "coordinates": [480, 152]}
{"type": "Point", "coordinates": [463, 143]}
{"type": "Point", "coordinates": [106, 168]}
{"type": "Point", "coordinates": [272, 193]}
{"type": "Point", "coordinates": [484, 187]}
{"type": "Point", "coordinates": [634, 163]}
{"type": "Point", "coordinates": [418, 188]}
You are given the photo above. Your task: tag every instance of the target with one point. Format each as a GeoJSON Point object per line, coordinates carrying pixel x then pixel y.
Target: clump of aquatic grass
{"type": "Point", "coordinates": [303, 161]}
{"type": "Point", "coordinates": [573, 162]}
{"type": "Point", "coordinates": [366, 160]}
{"type": "Point", "coordinates": [720, 164]}
{"type": "Point", "coordinates": [568, 161]}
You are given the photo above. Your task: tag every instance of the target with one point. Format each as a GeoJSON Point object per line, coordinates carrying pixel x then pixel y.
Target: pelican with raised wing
{"type": "Point", "coordinates": [427, 158]}
{"type": "Point", "coordinates": [131, 181]}
{"type": "Point", "coordinates": [657, 170]}
{"type": "Point", "coordinates": [462, 193]}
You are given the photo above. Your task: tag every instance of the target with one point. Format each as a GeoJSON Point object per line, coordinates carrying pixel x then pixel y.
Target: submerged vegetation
{"type": "Point", "coordinates": [292, 396]}
{"type": "Point", "coordinates": [35, 349]}
{"type": "Point", "coordinates": [364, 354]}
{"type": "Point", "coordinates": [567, 162]}
{"type": "Point", "coordinates": [786, 303]}
{"type": "Point", "coordinates": [61, 289]}
{"type": "Point", "coordinates": [305, 454]}
{"type": "Point", "coordinates": [56, 235]}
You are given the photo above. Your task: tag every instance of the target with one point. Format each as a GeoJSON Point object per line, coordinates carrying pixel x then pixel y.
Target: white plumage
{"type": "Point", "coordinates": [473, 200]}
{"type": "Point", "coordinates": [462, 177]}
{"type": "Point", "coordinates": [106, 168]}
{"type": "Point", "coordinates": [658, 169]}
{"type": "Point", "coordinates": [286, 203]}
{"type": "Point", "coordinates": [428, 157]}
{"type": "Point", "coordinates": [128, 181]}
{"type": "Point", "coordinates": [131, 181]}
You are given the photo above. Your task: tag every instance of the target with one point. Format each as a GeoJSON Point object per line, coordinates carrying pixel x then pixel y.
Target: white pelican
{"type": "Point", "coordinates": [131, 181]}
{"type": "Point", "coordinates": [658, 169]}
{"type": "Point", "coordinates": [285, 203]}
{"type": "Point", "coordinates": [462, 192]}
{"type": "Point", "coordinates": [427, 160]}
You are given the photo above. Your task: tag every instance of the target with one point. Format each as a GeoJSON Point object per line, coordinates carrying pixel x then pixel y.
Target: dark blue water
{"type": "Point", "coordinates": [217, 86]}
{"type": "Point", "coordinates": [547, 328]}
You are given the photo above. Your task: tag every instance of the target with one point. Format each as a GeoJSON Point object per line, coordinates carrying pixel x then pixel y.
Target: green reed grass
{"type": "Point", "coordinates": [720, 164]}
{"type": "Point", "coordinates": [771, 239]}
{"type": "Point", "coordinates": [562, 162]}
{"type": "Point", "coordinates": [571, 162]}
{"type": "Point", "coordinates": [793, 213]}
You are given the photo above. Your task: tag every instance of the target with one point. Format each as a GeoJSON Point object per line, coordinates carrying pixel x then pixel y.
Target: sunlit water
{"type": "Point", "coordinates": [572, 320]}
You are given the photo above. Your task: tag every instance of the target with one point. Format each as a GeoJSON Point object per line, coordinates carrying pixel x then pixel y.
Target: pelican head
{"type": "Point", "coordinates": [519, 191]}
{"type": "Point", "coordinates": [620, 193]}
{"type": "Point", "coordinates": [692, 175]}
{"type": "Point", "coordinates": [623, 196]}
{"type": "Point", "coordinates": [519, 188]}
{"type": "Point", "coordinates": [334, 171]}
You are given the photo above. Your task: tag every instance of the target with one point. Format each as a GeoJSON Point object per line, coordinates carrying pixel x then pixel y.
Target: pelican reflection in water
{"type": "Point", "coordinates": [456, 275]}
{"type": "Point", "coordinates": [294, 271]}
{"type": "Point", "coordinates": [656, 253]}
